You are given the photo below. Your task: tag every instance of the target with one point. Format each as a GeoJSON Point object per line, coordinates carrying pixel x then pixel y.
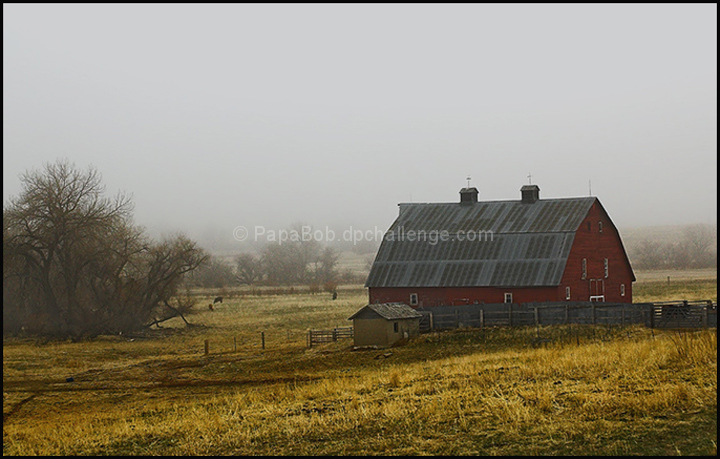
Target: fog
{"type": "Point", "coordinates": [219, 116]}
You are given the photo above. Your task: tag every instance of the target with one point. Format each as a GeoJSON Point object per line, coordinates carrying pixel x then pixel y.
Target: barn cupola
{"type": "Point", "coordinates": [530, 194]}
{"type": "Point", "coordinates": [469, 195]}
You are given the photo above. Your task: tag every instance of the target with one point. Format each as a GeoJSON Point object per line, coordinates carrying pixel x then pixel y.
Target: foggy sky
{"type": "Point", "coordinates": [214, 116]}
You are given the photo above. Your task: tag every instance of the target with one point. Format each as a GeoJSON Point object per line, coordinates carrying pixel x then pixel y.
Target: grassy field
{"type": "Point", "coordinates": [691, 285]}
{"type": "Point", "coordinates": [590, 391]}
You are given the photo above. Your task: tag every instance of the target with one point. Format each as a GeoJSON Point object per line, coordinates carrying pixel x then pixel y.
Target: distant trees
{"type": "Point", "coordinates": [324, 269]}
{"type": "Point", "coordinates": [291, 262]}
{"type": "Point", "coordinates": [297, 262]}
{"type": "Point", "coordinates": [74, 264]}
{"type": "Point", "coordinates": [696, 248]}
{"type": "Point", "coordinates": [249, 268]}
{"type": "Point", "coordinates": [214, 273]}
{"type": "Point", "coordinates": [303, 262]}
{"type": "Point", "coordinates": [700, 245]}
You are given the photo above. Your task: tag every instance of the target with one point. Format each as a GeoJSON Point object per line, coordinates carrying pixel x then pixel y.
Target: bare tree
{"type": "Point", "coordinates": [649, 254]}
{"type": "Point", "coordinates": [249, 268]}
{"type": "Point", "coordinates": [215, 273]}
{"type": "Point", "coordinates": [699, 241]}
{"type": "Point", "coordinates": [325, 267]}
{"type": "Point", "coordinates": [298, 260]}
{"type": "Point", "coordinates": [74, 265]}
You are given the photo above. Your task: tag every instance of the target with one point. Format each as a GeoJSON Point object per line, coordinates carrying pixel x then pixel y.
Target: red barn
{"type": "Point", "coordinates": [526, 250]}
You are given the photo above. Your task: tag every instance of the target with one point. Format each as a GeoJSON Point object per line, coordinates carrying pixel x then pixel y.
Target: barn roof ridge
{"type": "Point", "coordinates": [455, 203]}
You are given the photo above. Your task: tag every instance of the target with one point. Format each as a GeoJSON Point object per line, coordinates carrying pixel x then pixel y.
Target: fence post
{"type": "Point", "coordinates": [567, 314]}
{"type": "Point", "coordinates": [652, 316]}
{"type": "Point", "coordinates": [457, 319]}
{"type": "Point", "coordinates": [262, 337]}
{"type": "Point", "coordinates": [510, 313]}
{"type": "Point", "coordinates": [207, 347]}
{"type": "Point", "coordinates": [537, 317]}
{"type": "Point", "coordinates": [334, 335]}
{"type": "Point", "coordinates": [592, 310]}
{"type": "Point", "coordinates": [482, 318]}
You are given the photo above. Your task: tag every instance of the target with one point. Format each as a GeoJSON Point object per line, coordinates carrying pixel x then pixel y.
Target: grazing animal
{"type": "Point", "coordinates": [210, 307]}
{"type": "Point", "coordinates": [218, 299]}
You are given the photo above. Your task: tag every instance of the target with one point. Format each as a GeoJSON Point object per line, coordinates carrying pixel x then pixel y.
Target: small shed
{"type": "Point", "coordinates": [383, 324]}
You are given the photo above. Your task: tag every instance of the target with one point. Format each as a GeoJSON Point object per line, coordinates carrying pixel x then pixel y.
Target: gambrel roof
{"type": "Point", "coordinates": [515, 244]}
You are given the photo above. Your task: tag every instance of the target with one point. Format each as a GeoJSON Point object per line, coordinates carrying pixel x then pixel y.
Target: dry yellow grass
{"type": "Point", "coordinates": [591, 391]}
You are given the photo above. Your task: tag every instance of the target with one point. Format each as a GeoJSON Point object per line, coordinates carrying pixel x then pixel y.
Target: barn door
{"type": "Point", "coordinates": [597, 289]}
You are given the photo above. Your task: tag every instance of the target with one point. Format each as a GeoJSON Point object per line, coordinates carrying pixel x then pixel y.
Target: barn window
{"type": "Point", "coordinates": [567, 293]}
{"type": "Point", "coordinates": [600, 227]}
{"type": "Point", "coordinates": [413, 299]}
{"type": "Point", "coordinates": [508, 297]}
{"type": "Point", "coordinates": [606, 268]}
{"type": "Point", "coordinates": [622, 289]}
{"type": "Point", "coordinates": [395, 327]}
{"type": "Point", "coordinates": [584, 268]}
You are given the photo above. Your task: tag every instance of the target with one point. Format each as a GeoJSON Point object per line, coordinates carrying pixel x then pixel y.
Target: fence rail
{"type": "Point", "coordinates": [683, 314]}
{"type": "Point", "coordinates": [678, 314]}
{"type": "Point", "coordinates": [327, 336]}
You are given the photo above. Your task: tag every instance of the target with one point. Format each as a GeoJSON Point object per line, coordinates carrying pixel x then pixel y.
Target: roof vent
{"type": "Point", "coordinates": [469, 195]}
{"type": "Point", "coordinates": [530, 194]}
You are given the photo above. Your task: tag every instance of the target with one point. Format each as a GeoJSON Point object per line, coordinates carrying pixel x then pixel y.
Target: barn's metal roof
{"type": "Point", "coordinates": [389, 311]}
{"type": "Point", "coordinates": [513, 244]}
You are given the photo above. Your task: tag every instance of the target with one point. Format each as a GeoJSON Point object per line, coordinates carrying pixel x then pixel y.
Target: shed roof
{"type": "Point", "coordinates": [515, 244]}
{"type": "Point", "coordinates": [388, 311]}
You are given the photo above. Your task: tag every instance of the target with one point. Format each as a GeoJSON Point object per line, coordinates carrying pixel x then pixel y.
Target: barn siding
{"type": "Point", "coordinates": [435, 296]}
{"type": "Point", "coordinates": [595, 246]}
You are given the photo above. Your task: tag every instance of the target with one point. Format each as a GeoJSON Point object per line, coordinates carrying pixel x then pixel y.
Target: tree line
{"type": "Point", "coordinates": [290, 263]}
{"type": "Point", "coordinates": [695, 248]}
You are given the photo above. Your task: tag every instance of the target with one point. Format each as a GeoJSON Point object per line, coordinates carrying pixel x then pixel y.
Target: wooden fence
{"type": "Point", "coordinates": [679, 314]}
{"type": "Point", "coordinates": [327, 336]}
{"type": "Point", "coordinates": [672, 314]}
{"type": "Point", "coordinates": [683, 314]}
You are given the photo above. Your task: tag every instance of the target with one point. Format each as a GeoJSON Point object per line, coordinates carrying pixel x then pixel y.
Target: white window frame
{"type": "Point", "coordinates": [508, 296]}
{"type": "Point", "coordinates": [607, 268]}
{"type": "Point", "coordinates": [413, 299]}
{"type": "Point", "coordinates": [622, 289]}
{"type": "Point", "coordinates": [567, 293]}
